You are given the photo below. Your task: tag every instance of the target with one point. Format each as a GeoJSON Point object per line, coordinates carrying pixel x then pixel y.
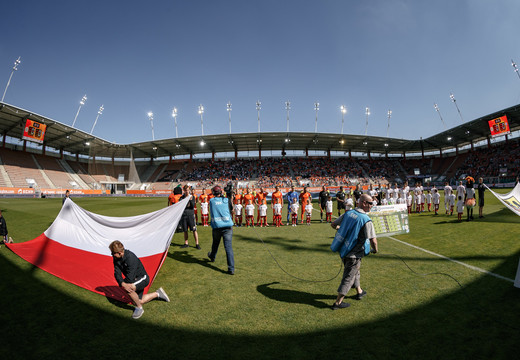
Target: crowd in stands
{"type": "Point", "coordinates": [497, 161]}
{"type": "Point", "coordinates": [501, 160]}
{"type": "Point", "coordinates": [208, 173]}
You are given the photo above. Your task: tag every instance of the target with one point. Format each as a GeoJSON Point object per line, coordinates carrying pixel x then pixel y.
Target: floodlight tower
{"type": "Point", "coordinates": [81, 103]}
{"type": "Point", "coordinates": [389, 113]}
{"type": "Point", "coordinates": [455, 102]}
{"type": "Point", "coordinates": [201, 112]}
{"type": "Point", "coordinates": [15, 67]}
{"type": "Point", "coordinates": [316, 107]}
{"type": "Point", "coordinates": [174, 115]}
{"type": "Point", "coordinates": [367, 112]}
{"type": "Point", "coordinates": [150, 117]}
{"type": "Point", "coordinates": [288, 108]}
{"type": "Point", "coordinates": [439, 112]}
{"type": "Point", "coordinates": [343, 112]}
{"type": "Point", "coordinates": [258, 108]}
{"type": "Point", "coordinates": [100, 111]}
{"type": "Point", "coordinates": [229, 114]}
{"type": "Point", "coordinates": [515, 68]}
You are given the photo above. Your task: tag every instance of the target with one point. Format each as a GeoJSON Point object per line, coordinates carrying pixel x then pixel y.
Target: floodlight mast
{"type": "Point", "coordinates": [439, 112]}
{"type": "Point", "coordinates": [288, 108]}
{"type": "Point", "coordinates": [343, 112]}
{"type": "Point", "coordinates": [455, 102]}
{"type": "Point", "coordinates": [150, 117]}
{"type": "Point", "coordinates": [201, 112]}
{"type": "Point", "coordinates": [367, 112]}
{"type": "Point", "coordinates": [258, 108]}
{"type": "Point", "coordinates": [389, 113]}
{"type": "Point", "coordinates": [316, 107]}
{"type": "Point", "coordinates": [174, 114]}
{"type": "Point", "coordinates": [81, 103]}
{"type": "Point", "coordinates": [229, 115]}
{"type": "Point", "coordinates": [15, 67]}
{"type": "Point", "coordinates": [100, 111]}
{"type": "Point", "coordinates": [515, 67]}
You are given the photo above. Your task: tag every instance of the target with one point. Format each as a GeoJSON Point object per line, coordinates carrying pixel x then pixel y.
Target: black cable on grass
{"type": "Point", "coordinates": [293, 276]}
{"type": "Point", "coordinates": [458, 283]}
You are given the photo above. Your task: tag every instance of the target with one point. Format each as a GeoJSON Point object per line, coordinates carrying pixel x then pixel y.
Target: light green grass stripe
{"type": "Point", "coordinates": [453, 260]}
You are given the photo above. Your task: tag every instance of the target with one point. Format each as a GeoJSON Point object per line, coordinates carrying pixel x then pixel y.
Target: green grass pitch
{"type": "Point", "coordinates": [261, 312]}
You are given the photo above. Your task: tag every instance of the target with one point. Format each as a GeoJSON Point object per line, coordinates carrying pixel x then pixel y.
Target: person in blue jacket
{"type": "Point", "coordinates": [291, 195]}
{"type": "Point", "coordinates": [222, 225]}
{"type": "Point", "coordinates": [354, 227]}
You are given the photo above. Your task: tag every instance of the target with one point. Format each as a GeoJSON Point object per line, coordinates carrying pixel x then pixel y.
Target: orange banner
{"type": "Point", "coordinates": [16, 191]}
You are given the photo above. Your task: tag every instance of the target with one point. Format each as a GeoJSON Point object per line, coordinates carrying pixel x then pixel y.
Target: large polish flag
{"type": "Point", "coordinates": [75, 247]}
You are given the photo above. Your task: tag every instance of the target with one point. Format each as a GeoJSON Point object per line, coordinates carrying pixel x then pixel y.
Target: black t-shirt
{"type": "Point", "coordinates": [357, 194]}
{"type": "Point", "coordinates": [191, 203]}
{"type": "Point", "coordinates": [340, 195]}
{"type": "Point", "coordinates": [324, 195]}
{"type": "Point", "coordinates": [481, 188]}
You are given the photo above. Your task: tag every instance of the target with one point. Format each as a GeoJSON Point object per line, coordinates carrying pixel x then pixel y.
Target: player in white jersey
{"type": "Point", "coordinates": [238, 214]}
{"type": "Point", "coordinates": [204, 213]}
{"type": "Point", "coordinates": [461, 190]}
{"type": "Point", "coordinates": [409, 202]}
{"type": "Point", "coordinates": [328, 209]}
{"type": "Point", "coordinates": [349, 203]}
{"type": "Point", "coordinates": [436, 199]}
{"type": "Point", "coordinates": [391, 199]}
{"type": "Point", "coordinates": [452, 203]}
{"type": "Point", "coordinates": [263, 213]}
{"type": "Point", "coordinates": [277, 209]}
{"type": "Point", "coordinates": [308, 212]}
{"type": "Point", "coordinates": [250, 214]}
{"type": "Point", "coordinates": [447, 192]}
{"type": "Point", "coordinates": [294, 212]}
{"type": "Point", "coordinates": [460, 206]}
{"type": "Point", "coordinates": [429, 199]}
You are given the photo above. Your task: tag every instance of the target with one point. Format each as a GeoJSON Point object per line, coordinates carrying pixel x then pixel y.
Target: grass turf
{"type": "Point", "coordinates": [261, 312]}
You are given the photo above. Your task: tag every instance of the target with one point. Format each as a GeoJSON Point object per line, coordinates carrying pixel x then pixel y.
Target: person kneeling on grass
{"type": "Point", "coordinates": [135, 277]}
{"type": "Point", "coordinates": [354, 228]}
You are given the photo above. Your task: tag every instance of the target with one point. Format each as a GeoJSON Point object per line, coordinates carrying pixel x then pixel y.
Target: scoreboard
{"type": "Point", "coordinates": [390, 219]}
{"type": "Point", "coordinates": [499, 126]}
{"type": "Point", "coordinates": [34, 131]}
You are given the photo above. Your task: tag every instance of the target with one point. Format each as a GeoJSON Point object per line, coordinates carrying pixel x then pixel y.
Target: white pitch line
{"type": "Point", "coordinates": [453, 260]}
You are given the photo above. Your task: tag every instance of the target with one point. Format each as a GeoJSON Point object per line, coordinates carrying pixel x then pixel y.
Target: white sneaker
{"type": "Point", "coordinates": [162, 295]}
{"type": "Point", "coordinates": [138, 312]}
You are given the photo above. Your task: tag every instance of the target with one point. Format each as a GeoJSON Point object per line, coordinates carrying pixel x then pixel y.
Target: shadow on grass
{"type": "Point", "coordinates": [502, 216]}
{"type": "Point", "coordinates": [286, 244]}
{"type": "Point", "coordinates": [187, 258]}
{"type": "Point", "coordinates": [294, 296]}
{"type": "Point", "coordinates": [45, 323]}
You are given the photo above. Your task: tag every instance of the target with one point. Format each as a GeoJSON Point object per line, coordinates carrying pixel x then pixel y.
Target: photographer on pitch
{"type": "Point", "coordinates": [353, 229]}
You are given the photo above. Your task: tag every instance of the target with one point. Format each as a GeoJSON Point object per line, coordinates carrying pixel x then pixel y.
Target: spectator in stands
{"type": "Point", "coordinates": [67, 196]}
{"type": "Point", "coordinates": [188, 218]}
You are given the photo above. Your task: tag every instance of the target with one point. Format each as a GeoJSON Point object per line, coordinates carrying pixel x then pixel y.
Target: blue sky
{"type": "Point", "coordinates": [135, 56]}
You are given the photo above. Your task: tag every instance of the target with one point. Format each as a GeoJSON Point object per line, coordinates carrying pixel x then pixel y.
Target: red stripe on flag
{"type": "Point", "coordinates": [91, 271]}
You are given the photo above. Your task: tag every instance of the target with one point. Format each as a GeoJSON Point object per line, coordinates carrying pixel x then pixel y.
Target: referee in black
{"type": "Point", "coordinates": [323, 197]}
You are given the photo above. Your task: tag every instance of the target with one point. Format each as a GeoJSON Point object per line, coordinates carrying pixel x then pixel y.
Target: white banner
{"type": "Point", "coordinates": [510, 200]}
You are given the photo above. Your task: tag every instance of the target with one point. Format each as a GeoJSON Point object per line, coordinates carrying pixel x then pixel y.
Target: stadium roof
{"type": "Point", "coordinates": [64, 137]}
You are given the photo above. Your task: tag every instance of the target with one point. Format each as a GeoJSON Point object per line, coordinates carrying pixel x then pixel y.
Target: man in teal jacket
{"type": "Point", "coordinates": [354, 227]}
